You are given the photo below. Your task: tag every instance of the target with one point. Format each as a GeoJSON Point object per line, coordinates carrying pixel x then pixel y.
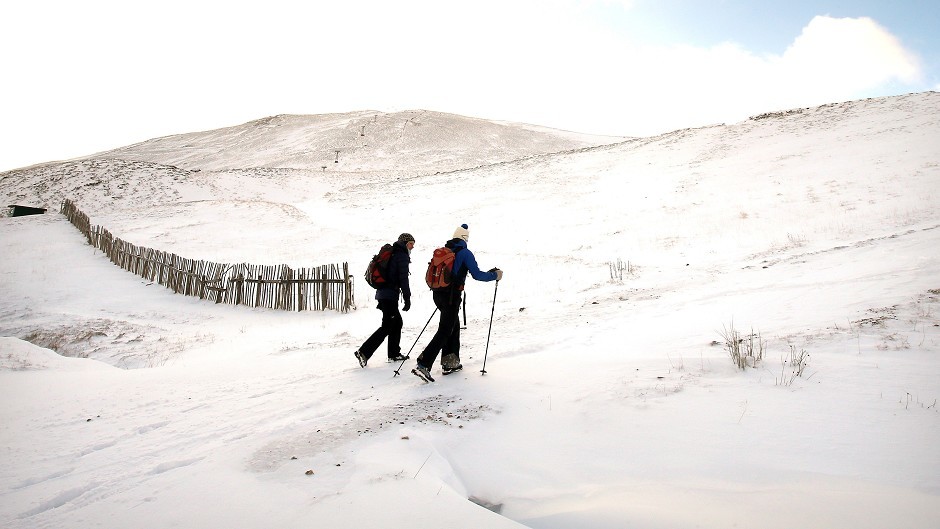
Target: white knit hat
{"type": "Point", "coordinates": [462, 232]}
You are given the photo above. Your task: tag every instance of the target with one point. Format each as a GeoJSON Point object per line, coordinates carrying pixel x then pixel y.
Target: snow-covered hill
{"type": "Point", "coordinates": [284, 156]}
{"type": "Point", "coordinates": [609, 401]}
{"type": "Point", "coordinates": [400, 143]}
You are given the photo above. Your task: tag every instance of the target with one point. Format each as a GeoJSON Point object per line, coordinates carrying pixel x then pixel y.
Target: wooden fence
{"type": "Point", "coordinates": [275, 287]}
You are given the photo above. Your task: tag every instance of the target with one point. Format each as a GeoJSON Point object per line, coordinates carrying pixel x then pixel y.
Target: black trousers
{"type": "Point", "coordinates": [391, 329]}
{"type": "Point", "coordinates": [447, 338]}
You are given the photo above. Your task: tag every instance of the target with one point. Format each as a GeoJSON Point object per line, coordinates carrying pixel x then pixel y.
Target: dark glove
{"type": "Point", "coordinates": [498, 272]}
{"type": "Point", "coordinates": [407, 305]}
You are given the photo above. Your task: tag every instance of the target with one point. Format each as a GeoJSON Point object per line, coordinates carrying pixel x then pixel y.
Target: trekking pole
{"type": "Point", "coordinates": [407, 356]}
{"type": "Point", "coordinates": [483, 371]}
{"type": "Point", "coordinates": [464, 310]}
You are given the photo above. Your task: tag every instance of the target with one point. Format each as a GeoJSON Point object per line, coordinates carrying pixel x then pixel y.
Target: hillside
{"type": "Point", "coordinates": [401, 144]}
{"type": "Point", "coordinates": [373, 147]}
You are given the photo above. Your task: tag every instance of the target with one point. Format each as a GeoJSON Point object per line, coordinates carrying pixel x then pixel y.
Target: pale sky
{"type": "Point", "coordinates": [79, 77]}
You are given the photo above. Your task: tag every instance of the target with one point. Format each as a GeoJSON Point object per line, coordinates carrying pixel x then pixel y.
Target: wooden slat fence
{"type": "Point", "coordinates": [268, 286]}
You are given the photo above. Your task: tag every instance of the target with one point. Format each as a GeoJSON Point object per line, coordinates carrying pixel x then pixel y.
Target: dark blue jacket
{"type": "Point", "coordinates": [396, 275]}
{"type": "Point", "coordinates": [465, 262]}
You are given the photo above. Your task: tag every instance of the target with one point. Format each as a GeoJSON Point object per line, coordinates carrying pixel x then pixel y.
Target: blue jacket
{"type": "Point", "coordinates": [396, 275]}
{"type": "Point", "coordinates": [465, 262]}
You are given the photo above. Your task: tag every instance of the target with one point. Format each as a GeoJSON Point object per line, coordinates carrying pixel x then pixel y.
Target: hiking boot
{"type": "Point", "coordinates": [362, 360]}
{"type": "Point", "coordinates": [450, 363]}
{"type": "Point", "coordinates": [422, 372]}
{"type": "Point", "coordinates": [398, 358]}
{"type": "Point", "coordinates": [449, 370]}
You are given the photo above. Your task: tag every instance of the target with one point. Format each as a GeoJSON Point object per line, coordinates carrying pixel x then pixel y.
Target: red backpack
{"type": "Point", "coordinates": [378, 266]}
{"type": "Point", "coordinates": [440, 272]}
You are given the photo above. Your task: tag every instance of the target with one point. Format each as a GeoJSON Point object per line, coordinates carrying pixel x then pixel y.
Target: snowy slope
{"type": "Point", "coordinates": [401, 143]}
{"type": "Point", "coordinates": [608, 402]}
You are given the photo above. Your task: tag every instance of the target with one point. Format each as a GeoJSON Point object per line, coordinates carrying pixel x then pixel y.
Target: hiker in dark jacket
{"type": "Point", "coordinates": [396, 280]}
{"type": "Point", "coordinates": [447, 338]}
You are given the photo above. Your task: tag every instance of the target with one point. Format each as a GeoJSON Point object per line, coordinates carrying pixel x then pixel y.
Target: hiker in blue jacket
{"type": "Point", "coordinates": [387, 296]}
{"type": "Point", "coordinates": [447, 338]}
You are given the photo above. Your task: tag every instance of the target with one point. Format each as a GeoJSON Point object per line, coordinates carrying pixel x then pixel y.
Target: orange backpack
{"type": "Point", "coordinates": [440, 272]}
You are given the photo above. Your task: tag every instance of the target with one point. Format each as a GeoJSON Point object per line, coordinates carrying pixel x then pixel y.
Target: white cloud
{"type": "Point", "coordinates": [847, 55]}
{"type": "Point", "coordinates": [658, 89]}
